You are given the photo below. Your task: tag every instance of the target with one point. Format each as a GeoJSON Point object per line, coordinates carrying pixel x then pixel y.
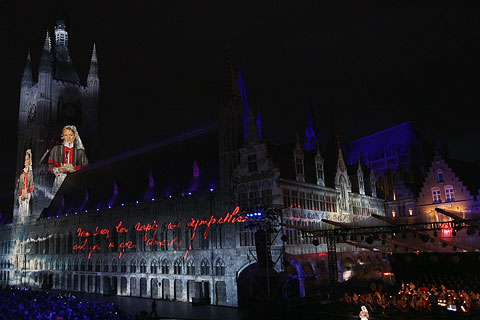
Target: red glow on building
{"type": "Point", "coordinates": [447, 232]}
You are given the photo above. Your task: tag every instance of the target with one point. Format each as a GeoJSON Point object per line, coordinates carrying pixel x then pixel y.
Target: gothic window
{"type": "Point", "coordinates": [252, 163]}
{"type": "Point", "coordinates": [90, 265]}
{"type": "Point", "coordinates": [143, 266]}
{"type": "Point", "coordinates": [123, 267]}
{"type": "Point", "coordinates": [220, 267]}
{"type": "Point", "coordinates": [205, 267]}
{"type": "Point", "coordinates": [343, 201]}
{"type": "Point", "coordinates": [177, 267]}
{"type": "Point", "coordinates": [191, 267]}
{"type": "Point", "coordinates": [449, 194]}
{"type": "Point", "coordinates": [83, 265]}
{"type": "Point", "coordinates": [440, 177]}
{"type": "Point", "coordinates": [153, 267]}
{"type": "Point", "coordinates": [105, 265]}
{"type": "Point", "coordinates": [436, 195]}
{"type": "Point", "coordinates": [97, 265]}
{"type": "Point", "coordinates": [133, 266]}
{"type": "Point", "coordinates": [114, 265]}
{"type": "Point", "coordinates": [165, 266]}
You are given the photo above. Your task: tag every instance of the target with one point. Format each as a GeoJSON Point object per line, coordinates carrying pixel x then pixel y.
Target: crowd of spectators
{"type": "Point", "coordinates": [416, 300]}
{"type": "Point", "coordinates": [42, 305]}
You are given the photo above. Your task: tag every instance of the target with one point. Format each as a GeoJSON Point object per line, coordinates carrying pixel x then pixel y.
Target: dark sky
{"type": "Point", "coordinates": [375, 63]}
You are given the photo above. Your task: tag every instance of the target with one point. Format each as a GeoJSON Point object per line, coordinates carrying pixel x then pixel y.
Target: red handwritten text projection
{"type": "Point", "coordinates": [173, 226]}
{"type": "Point", "coordinates": [147, 227]}
{"type": "Point", "coordinates": [80, 247]}
{"type": "Point", "coordinates": [105, 232]}
{"type": "Point", "coordinates": [233, 217]}
{"type": "Point", "coordinates": [120, 229]}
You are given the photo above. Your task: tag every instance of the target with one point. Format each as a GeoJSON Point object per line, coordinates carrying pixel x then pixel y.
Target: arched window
{"type": "Point", "coordinates": [165, 268]}
{"type": "Point", "coordinates": [143, 266]}
{"type": "Point", "coordinates": [153, 266]}
{"type": "Point", "coordinates": [123, 267]}
{"type": "Point", "coordinates": [177, 267]}
{"type": "Point", "coordinates": [90, 265]}
{"type": "Point", "coordinates": [105, 265]}
{"type": "Point", "coordinates": [114, 265]}
{"type": "Point", "coordinates": [204, 267]}
{"type": "Point", "coordinates": [133, 266]}
{"type": "Point", "coordinates": [220, 267]}
{"type": "Point", "coordinates": [191, 267]}
{"type": "Point", "coordinates": [98, 265]}
{"type": "Point", "coordinates": [83, 265]}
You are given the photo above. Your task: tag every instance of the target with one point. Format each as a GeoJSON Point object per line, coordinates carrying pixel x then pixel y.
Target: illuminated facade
{"type": "Point", "coordinates": [179, 227]}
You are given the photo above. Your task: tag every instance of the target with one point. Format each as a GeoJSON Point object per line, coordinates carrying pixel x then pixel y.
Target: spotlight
{"type": "Point", "coordinates": [315, 242]}
{"type": "Point", "coordinates": [136, 202]}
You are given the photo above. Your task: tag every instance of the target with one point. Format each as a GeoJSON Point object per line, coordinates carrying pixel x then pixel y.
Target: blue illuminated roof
{"type": "Point", "coordinates": [398, 138]}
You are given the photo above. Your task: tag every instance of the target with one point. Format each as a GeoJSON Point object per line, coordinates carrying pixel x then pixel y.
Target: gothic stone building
{"type": "Point", "coordinates": [184, 219]}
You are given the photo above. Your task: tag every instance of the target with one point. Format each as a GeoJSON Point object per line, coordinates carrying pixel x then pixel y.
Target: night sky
{"type": "Point", "coordinates": [375, 63]}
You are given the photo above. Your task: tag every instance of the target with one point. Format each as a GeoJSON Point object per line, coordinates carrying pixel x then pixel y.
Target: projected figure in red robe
{"type": "Point", "coordinates": [25, 187]}
{"type": "Point", "coordinates": [68, 157]}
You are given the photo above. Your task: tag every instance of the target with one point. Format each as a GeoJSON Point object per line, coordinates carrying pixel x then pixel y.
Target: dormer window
{"type": "Point", "coordinates": [436, 195]}
{"type": "Point", "coordinates": [299, 165]}
{"type": "Point", "coordinates": [252, 163]}
{"type": "Point", "coordinates": [319, 171]}
{"type": "Point", "coordinates": [440, 177]}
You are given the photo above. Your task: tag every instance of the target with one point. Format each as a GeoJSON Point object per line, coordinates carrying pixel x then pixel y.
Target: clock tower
{"type": "Point", "coordinates": [56, 99]}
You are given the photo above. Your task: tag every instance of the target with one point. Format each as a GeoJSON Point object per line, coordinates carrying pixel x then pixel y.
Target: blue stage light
{"type": "Point", "coordinates": [211, 189]}
{"type": "Point", "coordinates": [136, 202]}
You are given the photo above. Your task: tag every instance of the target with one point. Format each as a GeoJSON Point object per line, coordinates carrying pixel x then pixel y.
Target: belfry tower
{"type": "Point", "coordinates": [56, 99]}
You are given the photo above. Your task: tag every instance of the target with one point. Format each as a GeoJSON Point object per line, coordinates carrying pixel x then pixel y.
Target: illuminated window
{"type": "Point", "coordinates": [191, 267]}
{"type": "Point", "coordinates": [436, 195]}
{"type": "Point", "coordinates": [394, 214]}
{"type": "Point", "coordinates": [205, 268]}
{"type": "Point", "coordinates": [220, 267]}
{"type": "Point", "coordinates": [449, 194]}
{"type": "Point", "coordinates": [410, 212]}
{"type": "Point", "coordinates": [439, 177]}
{"type": "Point", "coordinates": [153, 267]}
{"type": "Point", "coordinates": [177, 267]}
{"type": "Point", "coordinates": [252, 163]}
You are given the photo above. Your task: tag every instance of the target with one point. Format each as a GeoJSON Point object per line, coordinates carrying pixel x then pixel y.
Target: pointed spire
{"type": "Point", "coordinates": [231, 93]}
{"type": "Point", "coordinates": [93, 71]}
{"type": "Point", "coordinates": [252, 130]}
{"type": "Point", "coordinates": [46, 60]}
{"type": "Point", "coordinates": [27, 78]}
{"type": "Point", "coordinates": [259, 124]}
{"type": "Point", "coordinates": [310, 134]}
{"type": "Point", "coordinates": [243, 96]}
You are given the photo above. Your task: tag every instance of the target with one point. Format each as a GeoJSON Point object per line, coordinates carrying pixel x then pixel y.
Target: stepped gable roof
{"type": "Point", "coordinates": [163, 169]}
{"type": "Point", "coordinates": [400, 137]}
{"type": "Point", "coordinates": [468, 173]}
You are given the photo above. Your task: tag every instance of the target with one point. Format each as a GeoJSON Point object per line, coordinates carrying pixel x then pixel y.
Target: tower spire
{"type": "Point", "coordinates": [243, 95]}
{"type": "Point", "coordinates": [93, 71]}
{"type": "Point", "coordinates": [46, 59]}
{"type": "Point", "coordinates": [27, 77]}
{"type": "Point", "coordinates": [310, 134]}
